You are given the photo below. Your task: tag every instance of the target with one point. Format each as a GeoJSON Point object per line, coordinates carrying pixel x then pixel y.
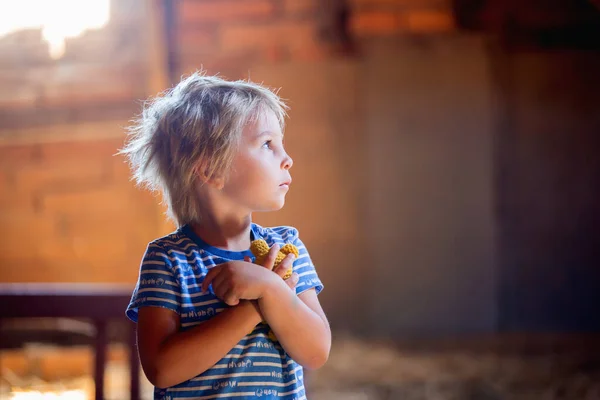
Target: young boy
{"type": "Point", "coordinates": [204, 311]}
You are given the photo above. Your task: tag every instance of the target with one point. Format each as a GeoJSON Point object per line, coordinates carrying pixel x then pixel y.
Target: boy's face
{"type": "Point", "coordinates": [259, 177]}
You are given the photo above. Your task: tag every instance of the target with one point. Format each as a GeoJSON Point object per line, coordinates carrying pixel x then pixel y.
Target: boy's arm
{"type": "Point", "coordinates": [170, 357]}
{"type": "Point", "coordinates": [298, 322]}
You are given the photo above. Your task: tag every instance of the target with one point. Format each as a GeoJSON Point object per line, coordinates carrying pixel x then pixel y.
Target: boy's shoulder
{"type": "Point", "coordinates": [283, 233]}
{"type": "Point", "coordinates": [176, 240]}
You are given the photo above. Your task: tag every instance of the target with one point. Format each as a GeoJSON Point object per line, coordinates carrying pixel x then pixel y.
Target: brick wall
{"type": "Point", "coordinates": [232, 36]}
{"type": "Point", "coordinates": [68, 211]}
{"type": "Point", "coordinates": [389, 17]}
{"type": "Point", "coordinates": [100, 74]}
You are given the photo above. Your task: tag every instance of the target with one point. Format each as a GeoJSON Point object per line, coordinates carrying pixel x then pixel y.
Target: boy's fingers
{"type": "Point", "coordinates": [212, 273]}
{"type": "Point", "coordinates": [292, 281]}
{"type": "Point", "coordinates": [285, 264]}
{"type": "Point", "coordinates": [220, 284]}
{"type": "Point", "coordinates": [271, 256]}
{"type": "Point", "coordinates": [230, 298]}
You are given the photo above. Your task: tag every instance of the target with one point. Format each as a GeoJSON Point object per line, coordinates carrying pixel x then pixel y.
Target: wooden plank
{"type": "Point", "coordinates": [27, 141]}
{"type": "Point", "coordinates": [156, 50]}
{"type": "Point", "coordinates": [93, 111]}
{"type": "Point", "coordinates": [224, 11]}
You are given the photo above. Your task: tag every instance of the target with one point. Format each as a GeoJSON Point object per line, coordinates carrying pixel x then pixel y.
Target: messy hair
{"type": "Point", "coordinates": [199, 120]}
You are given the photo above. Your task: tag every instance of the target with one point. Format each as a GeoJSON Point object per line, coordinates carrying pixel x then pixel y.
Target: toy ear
{"type": "Point", "coordinates": [259, 247]}
{"type": "Point", "coordinates": [290, 248]}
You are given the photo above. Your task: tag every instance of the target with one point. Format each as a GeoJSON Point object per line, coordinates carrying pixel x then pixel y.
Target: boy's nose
{"type": "Point", "coordinates": [287, 162]}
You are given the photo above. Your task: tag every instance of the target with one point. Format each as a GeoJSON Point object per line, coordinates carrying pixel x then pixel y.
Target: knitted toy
{"type": "Point", "coordinates": [260, 249]}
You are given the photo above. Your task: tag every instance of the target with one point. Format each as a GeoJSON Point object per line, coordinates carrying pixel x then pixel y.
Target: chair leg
{"type": "Point", "coordinates": [134, 365]}
{"type": "Point", "coordinates": [100, 359]}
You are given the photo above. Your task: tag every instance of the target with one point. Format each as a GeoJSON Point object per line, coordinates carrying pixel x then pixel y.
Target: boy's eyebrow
{"type": "Point", "coordinates": [266, 133]}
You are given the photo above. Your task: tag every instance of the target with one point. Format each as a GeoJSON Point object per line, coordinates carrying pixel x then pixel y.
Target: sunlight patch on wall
{"type": "Point", "coordinates": [57, 19]}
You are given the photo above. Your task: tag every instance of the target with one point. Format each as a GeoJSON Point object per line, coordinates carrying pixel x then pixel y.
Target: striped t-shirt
{"type": "Point", "coordinates": [171, 276]}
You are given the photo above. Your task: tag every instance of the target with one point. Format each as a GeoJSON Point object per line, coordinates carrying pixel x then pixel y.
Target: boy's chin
{"type": "Point", "coordinates": [276, 206]}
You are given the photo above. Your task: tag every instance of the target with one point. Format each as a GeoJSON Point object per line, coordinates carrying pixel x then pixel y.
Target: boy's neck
{"type": "Point", "coordinates": [227, 235]}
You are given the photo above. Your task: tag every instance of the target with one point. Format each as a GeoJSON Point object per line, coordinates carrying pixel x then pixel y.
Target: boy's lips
{"type": "Point", "coordinates": [286, 183]}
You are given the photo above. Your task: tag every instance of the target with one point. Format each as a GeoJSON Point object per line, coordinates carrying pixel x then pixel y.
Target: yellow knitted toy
{"type": "Point", "coordinates": [260, 249]}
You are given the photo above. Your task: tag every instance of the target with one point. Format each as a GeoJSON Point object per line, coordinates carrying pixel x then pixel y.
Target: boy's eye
{"type": "Point", "coordinates": [267, 144]}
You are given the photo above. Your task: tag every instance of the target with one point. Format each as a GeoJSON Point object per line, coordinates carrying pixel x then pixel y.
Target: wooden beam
{"type": "Point", "coordinates": [86, 131]}
{"type": "Point", "coordinates": [159, 74]}
{"type": "Point", "coordinates": [334, 29]}
{"type": "Point", "coordinates": [536, 24]}
{"type": "Point", "coordinates": [170, 33]}
{"type": "Point", "coordinates": [15, 118]}
{"type": "Point", "coordinates": [530, 16]}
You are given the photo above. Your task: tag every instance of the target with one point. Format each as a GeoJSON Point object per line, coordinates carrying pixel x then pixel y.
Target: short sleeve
{"type": "Point", "coordinates": [303, 266]}
{"type": "Point", "coordinates": [156, 284]}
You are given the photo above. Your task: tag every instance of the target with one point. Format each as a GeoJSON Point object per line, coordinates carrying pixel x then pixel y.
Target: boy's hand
{"type": "Point", "coordinates": [242, 280]}
{"type": "Point", "coordinates": [282, 268]}
{"type": "Point", "coordinates": [238, 280]}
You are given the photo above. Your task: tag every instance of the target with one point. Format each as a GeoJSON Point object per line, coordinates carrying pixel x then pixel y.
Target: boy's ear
{"type": "Point", "coordinates": [218, 182]}
{"type": "Point", "coordinates": [214, 180]}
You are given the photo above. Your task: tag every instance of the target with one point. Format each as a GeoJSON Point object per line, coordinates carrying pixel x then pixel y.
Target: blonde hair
{"type": "Point", "coordinates": [199, 120]}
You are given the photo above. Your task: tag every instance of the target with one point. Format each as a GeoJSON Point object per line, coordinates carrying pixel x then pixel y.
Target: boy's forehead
{"type": "Point", "coordinates": [266, 123]}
